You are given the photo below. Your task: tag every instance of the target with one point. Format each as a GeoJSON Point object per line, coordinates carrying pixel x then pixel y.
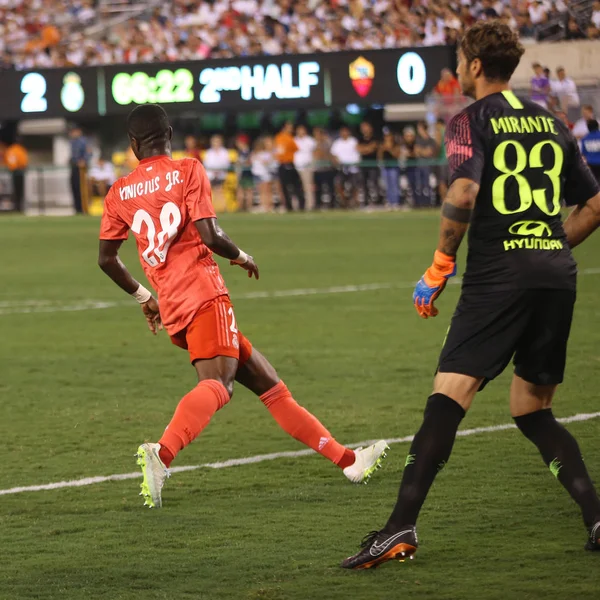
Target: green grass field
{"type": "Point", "coordinates": [82, 386]}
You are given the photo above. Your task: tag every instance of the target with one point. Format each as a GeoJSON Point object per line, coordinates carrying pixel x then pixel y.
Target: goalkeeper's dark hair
{"type": "Point", "coordinates": [496, 46]}
{"type": "Point", "coordinates": [149, 125]}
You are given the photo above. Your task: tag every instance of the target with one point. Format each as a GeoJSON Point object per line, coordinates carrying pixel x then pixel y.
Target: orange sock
{"type": "Point", "coordinates": [306, 428]}
{"type": "Point", "coordinates": [192, 415]}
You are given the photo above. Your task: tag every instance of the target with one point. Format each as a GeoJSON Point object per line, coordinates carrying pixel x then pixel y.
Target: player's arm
{"type": "Point", "coordinates": [220, 243]}
{"type": "Point", "coordinates": [113, 232]}
{"type": "Point", "coordinates": [581, 188]}
{"type": "Point", "coordinates": [465, 151]}
{"type": "Point", "coordinates": [456, 215]}
{"type": "Point", "coordinates": [198, 198]}
{"type": "Point", "coordinates": [111, 264]}
{"type": "Point", "coordinates": [582, 221]}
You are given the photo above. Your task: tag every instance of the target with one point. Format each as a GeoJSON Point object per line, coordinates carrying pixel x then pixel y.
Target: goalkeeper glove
{"type": "Point", "coordinates": [433, 282]}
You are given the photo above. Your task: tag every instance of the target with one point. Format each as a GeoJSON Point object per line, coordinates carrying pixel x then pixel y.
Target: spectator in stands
{"type": "Point", "coordinates": [592, 32]}
{"type": "Point", "coordinates": [596, 14]}
{"type": "Point", "coordinates": [388, 155]}
{"type": "Point", "coordinates": [191, 147]}
{"type": "Point", "coordinates": [102, 176]}
{"type": "Point", "coordinates": [466, 16]}
{"type": "Point", "coordinates": [537, 12]}
{"type": "Point", "coordinates": [289, 179]}
{"type": "Point", "coordinates": [565, 90]}
{"type": "Point", "coordinates": [264, 167]}
{"type": "Point", "coordinates": [448, 85]}
{"type": "Point", "coordinates": [573, 30]}
{"type": "Point", "coordinates": [324, 176]}
{"type": "Point", "coordinates": [591, 148]}
{"type": "Point", "coordinates": [367, 148]}
{"type": "Point", "coordinates": [6, 61]}
{"type": "Point", "coordinates": [194, 30]}
{"type": "Point", "coordinates": [245, 180]}
{"type": "Point", "coordinates": [487, 11]}
{"type": "Point", "coordinates": [540, 86]}
{"type": "Point", "coordinates": [562, 115]}
{"type": "Point", "coordinates": [303, 161]}
{"type": "Point", "coordinates": [217, 163]}
{"type": "Point", "coordinates": [448, 94]}
{"type": "Point", "coordinates": [346, 155]}
{"type": "Point", "coordinates": [441, 171]}
{"type": "Point", "coordinates": [580, 128]}
{"type": "Point", "coordinates": [434, 35]}
{"type": "Point", "coordinates": [80, 157]}
{"type": "Point", "coordinates": [408, 154]}
{"type": "Point", "coordinates": [525, 25]}
{"type": "Point", "coordinates": [452, 36]}
{"type": "Point", "coordinates": [425, 149]}
{"type": "Point", "coordinates": [16, 160]}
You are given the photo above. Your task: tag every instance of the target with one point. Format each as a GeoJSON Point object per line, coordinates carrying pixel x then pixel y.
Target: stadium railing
{"type": "Point", "coordinates": [48, 191]}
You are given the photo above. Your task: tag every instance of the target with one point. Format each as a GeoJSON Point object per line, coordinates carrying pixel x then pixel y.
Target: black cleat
{"type": "Point", "coordinates": [593, 543]}
{"type": "Point", "coordinates": [379, 547]}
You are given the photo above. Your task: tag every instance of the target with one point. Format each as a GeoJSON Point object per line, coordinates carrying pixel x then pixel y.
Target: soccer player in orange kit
{"type": "Point", "coordinates": [167, 205]}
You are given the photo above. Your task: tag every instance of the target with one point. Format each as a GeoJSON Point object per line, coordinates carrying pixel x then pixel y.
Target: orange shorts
{"type": "Point", "coordinates": [213, 332]}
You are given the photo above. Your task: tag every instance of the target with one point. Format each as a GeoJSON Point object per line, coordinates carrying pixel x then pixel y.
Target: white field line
{"type": "Point", "coordinates": [45, 306]}
{"type": "Point", "coordinates": [11, 307]}
{"type": "Point", "coordinates": [249, 460]}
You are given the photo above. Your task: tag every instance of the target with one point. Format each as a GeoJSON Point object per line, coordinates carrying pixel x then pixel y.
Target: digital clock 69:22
{"type": "Point", "coordinates": [165, 87]}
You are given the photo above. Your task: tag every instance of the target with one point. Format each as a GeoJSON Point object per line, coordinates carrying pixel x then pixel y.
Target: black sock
{"type": "Point", "coordinates": [561, 453]}
{"type": "Point", "coordinates": [428, 454]}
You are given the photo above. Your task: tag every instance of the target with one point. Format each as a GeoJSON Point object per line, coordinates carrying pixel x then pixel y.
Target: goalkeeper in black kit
{"type": "Point", "coordinates": [512, 166]}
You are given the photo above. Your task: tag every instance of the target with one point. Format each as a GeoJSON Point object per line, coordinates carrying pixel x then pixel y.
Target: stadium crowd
{"type": "Point", "coordinates": [369, 168]}
{"type": "Point", "coordinates": [311, 168]}
{"type": "Point", "coordinates": [34, 34]}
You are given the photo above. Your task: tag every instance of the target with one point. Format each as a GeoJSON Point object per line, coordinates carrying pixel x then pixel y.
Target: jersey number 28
{"type": "Point", "coordinates": [158, 246]}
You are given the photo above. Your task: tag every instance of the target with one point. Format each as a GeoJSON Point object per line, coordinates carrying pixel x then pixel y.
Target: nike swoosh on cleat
{"type": "Point", "coordinates": [377, 550]}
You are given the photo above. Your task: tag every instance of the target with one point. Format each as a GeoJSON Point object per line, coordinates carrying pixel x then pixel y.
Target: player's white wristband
{"type": "Point", "coordinates": [241, 259]}
{"type": "Point", "coordinates": [142, 295]}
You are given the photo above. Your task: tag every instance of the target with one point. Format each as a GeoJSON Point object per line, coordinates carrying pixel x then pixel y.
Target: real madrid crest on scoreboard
{"type": "Point", "coordinates": [402, 75]}
{"type": "Point", "coordinates": [72, 94]}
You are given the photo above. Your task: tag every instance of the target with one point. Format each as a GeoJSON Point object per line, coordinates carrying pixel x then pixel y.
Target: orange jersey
{"type": "Point", "coordinates": [159, 201]}
{"type": "Point", "coordinates": [449, 88]}
{"type": "Point", "coordinates": [285, 148]}
{"type": "Point", "coordinates": [16, 157]}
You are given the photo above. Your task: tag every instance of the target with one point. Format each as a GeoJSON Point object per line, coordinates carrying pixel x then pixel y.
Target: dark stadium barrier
{"type": "Point", "coordinates": [398, 76]}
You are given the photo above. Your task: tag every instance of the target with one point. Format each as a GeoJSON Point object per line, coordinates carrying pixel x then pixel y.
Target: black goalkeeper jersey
{"type": "Point", "coordinates": [528, 165]}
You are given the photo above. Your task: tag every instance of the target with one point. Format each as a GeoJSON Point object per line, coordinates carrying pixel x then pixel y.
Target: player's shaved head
{"type": "Point", "coordinates": [149, 129]}
{"type": "Point", "coordinates": [496, 45]}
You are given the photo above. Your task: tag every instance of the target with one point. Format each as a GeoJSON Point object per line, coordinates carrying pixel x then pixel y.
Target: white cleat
{"type": "Point", "coordinates": [154, 471]}
{"type": "Point", "coordinates": [368, 460]}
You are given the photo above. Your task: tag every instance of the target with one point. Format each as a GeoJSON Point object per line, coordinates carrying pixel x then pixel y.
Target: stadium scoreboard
{"type": "Point", "coordinates": [404, 75]}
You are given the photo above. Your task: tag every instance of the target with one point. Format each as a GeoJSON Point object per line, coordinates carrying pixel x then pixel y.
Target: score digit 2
{"type": "Point", "coordinates": [34, 86]}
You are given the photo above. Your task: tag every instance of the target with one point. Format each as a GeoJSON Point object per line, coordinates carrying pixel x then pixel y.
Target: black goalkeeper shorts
{"type": "Point", "coordinates": [490, 327]}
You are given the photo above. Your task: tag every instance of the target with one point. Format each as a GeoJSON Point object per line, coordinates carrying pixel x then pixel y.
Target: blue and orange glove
{"type": "Point", "coordinates": [432, 284]}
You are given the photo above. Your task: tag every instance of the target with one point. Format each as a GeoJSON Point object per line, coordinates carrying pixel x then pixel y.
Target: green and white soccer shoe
{"type": "Point", "coordinates": [368, 460]}
{"type": "Point", "coordinates": [154, 471]}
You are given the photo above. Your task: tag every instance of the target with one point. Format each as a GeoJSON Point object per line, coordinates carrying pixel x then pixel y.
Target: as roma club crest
{"type": "Point", "coordinates": [362, 73]}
